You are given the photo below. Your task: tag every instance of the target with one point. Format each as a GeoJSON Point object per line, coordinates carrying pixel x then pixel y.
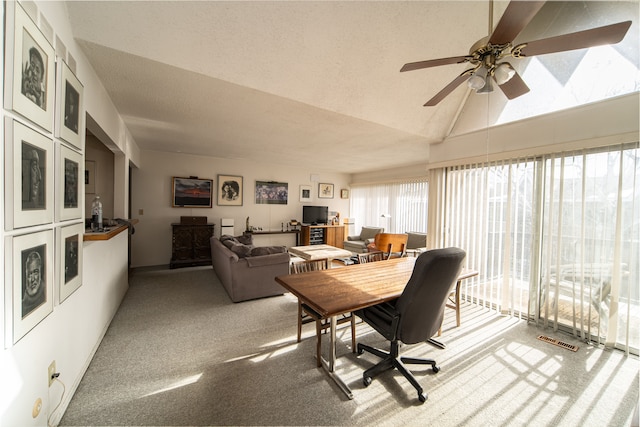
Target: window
{"type": "Point", "coordinates": [403, 204]}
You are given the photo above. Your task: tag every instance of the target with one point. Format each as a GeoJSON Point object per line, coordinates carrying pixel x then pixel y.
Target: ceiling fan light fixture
{"type": "Point", "coordinates": [478, 79]}
{"type": "Point", "coordinates": [487, 88]}
{"type": "Point", "coordinates": [503, 73]}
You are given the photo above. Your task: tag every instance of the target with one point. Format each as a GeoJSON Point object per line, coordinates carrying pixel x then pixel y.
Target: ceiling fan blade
{"type": "Point", "coordinates": [433, 63]}
{"type": "Point", "coordinates": [515, 87]}
{"type": "Point", "coordinates": [515, 17]}
{"type": "Point", "coordinates": [448, 89]}
{"type": "Point", "coordinates": [609, 34]}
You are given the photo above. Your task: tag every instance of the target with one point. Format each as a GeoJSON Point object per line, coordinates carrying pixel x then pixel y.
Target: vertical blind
{"type": "Point", "coordinates": [556, 238]}
{"type": "Point", "coordinates": [403, 203]}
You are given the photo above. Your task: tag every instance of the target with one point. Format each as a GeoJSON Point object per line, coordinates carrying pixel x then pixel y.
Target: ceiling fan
{"type": "Point", "coordinates": [487, 54]}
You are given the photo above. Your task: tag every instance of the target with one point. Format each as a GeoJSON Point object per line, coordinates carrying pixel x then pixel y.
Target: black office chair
{"type": "Point", "coordinates": [416, 315]}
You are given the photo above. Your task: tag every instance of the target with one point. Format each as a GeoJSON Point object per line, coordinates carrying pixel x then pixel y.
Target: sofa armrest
{"type": "Point", "coordinates": [352, 238]}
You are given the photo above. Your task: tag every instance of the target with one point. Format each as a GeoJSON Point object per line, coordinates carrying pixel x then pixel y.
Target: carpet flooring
{"type": "Point", "coordinates": [179, 352]}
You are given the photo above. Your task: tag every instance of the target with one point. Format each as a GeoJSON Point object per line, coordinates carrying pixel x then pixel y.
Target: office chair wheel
{"type": "Point", "coordinates": [366, 380]}
{"type": "Point", "coordinates": [435, 369]}
{"type": "Point", "coordinates": [422, 397]}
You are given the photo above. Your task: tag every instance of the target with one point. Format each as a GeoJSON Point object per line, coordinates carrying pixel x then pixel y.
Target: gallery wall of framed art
{"type": "Point", "coordinates": [44, 128]}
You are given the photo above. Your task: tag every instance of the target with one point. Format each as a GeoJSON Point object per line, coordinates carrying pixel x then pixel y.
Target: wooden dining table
{"type": "Point", "coordinates": [343, 290]}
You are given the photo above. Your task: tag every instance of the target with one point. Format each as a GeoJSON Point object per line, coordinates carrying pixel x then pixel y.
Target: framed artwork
{"type": "Point", "coordinates": [69, 124]}
{"type": "Point", "coordinates": [29, 259]}
{"type": "Point", "coordinates": [230, 190]}
{"type": "Point", "coordinates": [69, 259]}
{"type": "Point", "coordinates": [305, 193]}
{"type": "Point", "coordinates": [29, 159]}
{"type": "Point", "coordinates": [272, 193]}
{"type": "Point", "coordinates": [344, 193]}
{"type": "Point", "coordinates": [89, 176]}
{"type": "Point", "coordinates": [325, 191]}
{"type": "Point", "coordinates": [68, 183]}
{"type": "Point", "coordinates": [191, 192]}
{"type": "Point", "coordinates": [29, 69]}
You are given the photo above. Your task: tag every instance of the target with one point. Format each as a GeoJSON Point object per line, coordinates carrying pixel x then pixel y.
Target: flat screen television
{"type": "Point", "coordinates": [315, 215]}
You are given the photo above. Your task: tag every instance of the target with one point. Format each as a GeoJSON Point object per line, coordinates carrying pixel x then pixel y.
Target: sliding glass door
{"type": "Point", "coordinates": [556, 239]}
{"type": "Point", "coordinates": [590, 245]}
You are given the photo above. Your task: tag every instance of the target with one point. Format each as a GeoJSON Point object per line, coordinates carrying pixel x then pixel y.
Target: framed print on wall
{"type": "Point", "coordinates": [29, 68]}
{"type": "Point", "coordinates": [68, 183]}
{"type": "Point", "coordinates": [230, 190]}
{"type": "Point", "coordinates": [325, 191]}
{"type": "Point", "coordinates": [29, 184]}
{"type": "Point", "coordinates": [272, 193]}
{"type": "Point", "coordinates": [69, 259]}
{"type": "Point", "coordinates": [191, 192]}
{"type": "Point", "coordinates": [29, 259]}
{"type": "Point", "coordinates": [344, 193]}
{"type": "Point", "coordinates": [305, 193]}
{"type": "Point", "coordinates": [69, 125]}
{"type": "Point", "coordinates": [89, 176]}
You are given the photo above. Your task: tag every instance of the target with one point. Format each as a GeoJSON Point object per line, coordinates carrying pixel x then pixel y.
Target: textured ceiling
{"type": "Point", "coordinates": [276, 81]}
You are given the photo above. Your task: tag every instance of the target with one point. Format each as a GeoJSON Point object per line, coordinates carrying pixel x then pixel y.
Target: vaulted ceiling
{"type": "Point", "coordinates": [290, 82]}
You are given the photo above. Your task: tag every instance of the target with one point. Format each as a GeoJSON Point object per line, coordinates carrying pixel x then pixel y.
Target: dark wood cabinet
{"type": "Point", "coordinates": [191, 245]}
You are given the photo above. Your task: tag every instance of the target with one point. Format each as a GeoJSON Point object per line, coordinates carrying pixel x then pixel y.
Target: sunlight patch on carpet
{"type": "Point", "coordinates": [181, 383]}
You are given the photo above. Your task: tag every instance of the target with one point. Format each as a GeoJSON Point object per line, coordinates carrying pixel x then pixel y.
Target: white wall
{"type": "Point", "coordinates": [71, 333]}
{"type": "Point", "coordinates": [151, 193]}
{"type": "Point", "coordinates": [613, 121]}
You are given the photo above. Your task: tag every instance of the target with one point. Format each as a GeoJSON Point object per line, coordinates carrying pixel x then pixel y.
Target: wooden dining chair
{"type": "Point", "coordinates": [370, 257]}
{"type": "Point", "coordinates": [307, 314]}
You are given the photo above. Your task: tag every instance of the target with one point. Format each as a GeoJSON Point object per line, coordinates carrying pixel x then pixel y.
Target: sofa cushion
{"type": "Point", "coordinates": [241, 250]}
{"type": "Point", "coordinates": [370, 232]}
{"type": "Point", "coordinates": [267, 250]}
{"type": "Point", "coordinates": [228, 241]}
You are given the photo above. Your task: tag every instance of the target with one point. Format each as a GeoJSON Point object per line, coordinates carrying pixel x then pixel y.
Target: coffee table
{"type": "Point", "coordinates": [313, 252]}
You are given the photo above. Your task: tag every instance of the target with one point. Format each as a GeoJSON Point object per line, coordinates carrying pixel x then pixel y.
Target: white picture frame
{"type": "Point", "coordinates": [69, 173]}
{"type": "Point", "coordinates": [305, 193]}
{"type": "Point", "coordinates": [69, 260]}
{"type": "Point", "coordinates": [230, 190]}
{"type": "Point", "coordinates": [28, 191]}
{"type": "Point", "coordinates": [69, 124]}
{"type": "Point", "coordinates": [29, 82]}
{"type": "Point", "coordinates": [28, 259]}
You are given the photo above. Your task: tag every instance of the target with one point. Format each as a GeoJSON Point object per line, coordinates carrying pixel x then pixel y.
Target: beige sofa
{"type": "Point", "coordinates": [248, 272]}
{"type": "Point", "coordinates": [358, 243]}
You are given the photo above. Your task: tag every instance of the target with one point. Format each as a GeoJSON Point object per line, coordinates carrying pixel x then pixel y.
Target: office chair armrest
{"type": "Point", "coordinates": [383, 317]}
{"type": "Point", "coordinates": [385, 309]}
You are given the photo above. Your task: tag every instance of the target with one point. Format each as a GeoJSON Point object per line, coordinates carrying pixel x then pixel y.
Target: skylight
{"type": "Point", "coordinates": [601, 73]}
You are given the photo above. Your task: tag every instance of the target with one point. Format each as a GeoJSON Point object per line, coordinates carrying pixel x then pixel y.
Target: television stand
{"type": "Point", "coordinates": [333, 235]}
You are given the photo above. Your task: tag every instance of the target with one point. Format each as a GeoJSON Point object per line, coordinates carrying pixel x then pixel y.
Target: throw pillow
{"type": "Point", "coordinates": [241, 250]}
{"type": "Point", "coordinates": [245, 239]}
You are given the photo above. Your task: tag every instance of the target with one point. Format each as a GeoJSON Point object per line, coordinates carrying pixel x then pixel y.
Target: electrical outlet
{"type": "Point", "coordinates": [51, 372]}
